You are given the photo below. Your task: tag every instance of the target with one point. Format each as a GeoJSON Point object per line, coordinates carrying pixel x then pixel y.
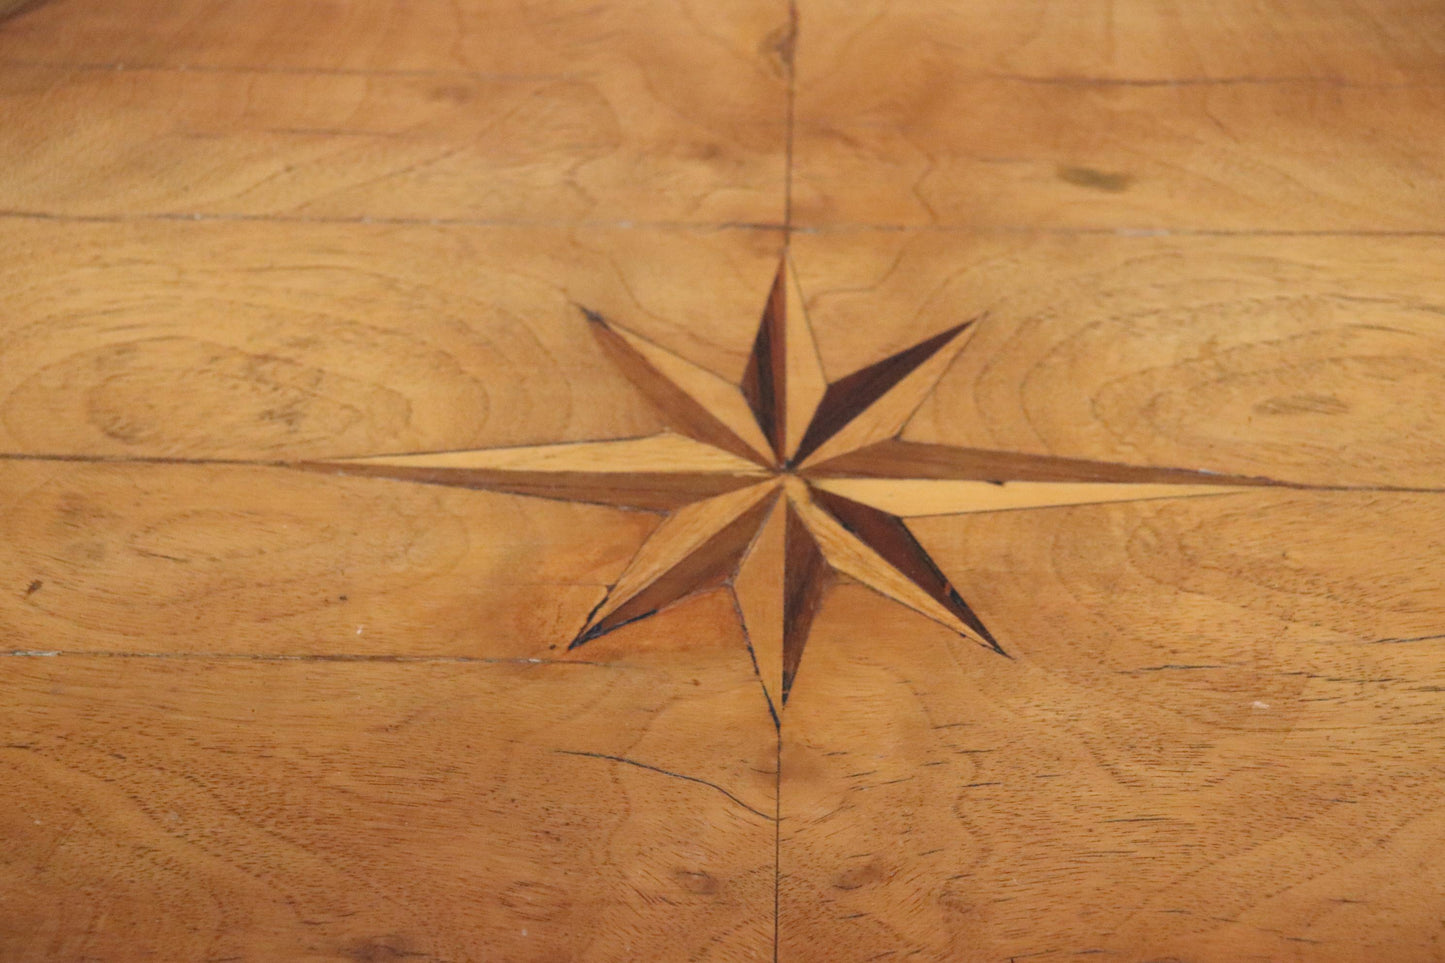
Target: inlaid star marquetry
{"type": "Point", "coordinates": [780, 484]}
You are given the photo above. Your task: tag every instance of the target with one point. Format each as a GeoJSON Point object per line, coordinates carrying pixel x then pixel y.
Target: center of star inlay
{"type": "Point", "coordinates": [775, 486]}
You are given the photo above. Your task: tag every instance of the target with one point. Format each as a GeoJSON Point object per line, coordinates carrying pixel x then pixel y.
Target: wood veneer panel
{"type": "Point", "coordinates": [196, 809]}
{"type": "Point", "coordinates": [1365, 41]}
{"type": "Point", "coordinates": [1218, 738]}
{"type": "Point", "coordinates": [256, 340]}
{"type": "Point", "coordinates": [921, 143]}
{"type": "Point", "coordinates": [1313, 361]}
{"type": "Point", "coordinates": [717, 59]}
{"type": "Point", "coordinates": [1140, 41]}
{"type": "Point", "coordinates": [232, 559]}
{"type": "Point", "coordinates": [150, 141]}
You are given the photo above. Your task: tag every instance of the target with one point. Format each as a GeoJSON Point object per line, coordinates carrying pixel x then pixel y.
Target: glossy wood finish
{"type": "Point", "coordinates": [767, 480]}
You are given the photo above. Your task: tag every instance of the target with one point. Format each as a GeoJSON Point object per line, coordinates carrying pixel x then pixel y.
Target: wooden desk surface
{"type": "Point", "coordinates": [359, 357]}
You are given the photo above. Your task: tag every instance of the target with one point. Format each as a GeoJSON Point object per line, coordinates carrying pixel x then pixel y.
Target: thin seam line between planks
{"type": "Point", "coordinates": [365, 219]}
{"type": "Point", "coordinates": [92, 66]}
{"type": "Point", "coordinates": [1063, 80]}
{"type": "Point", "coordinates": [1243, 80]}
{"type": "Point", "coordinates": [714, 226]}
{"type": "Point", "coordinates": [317, 657]}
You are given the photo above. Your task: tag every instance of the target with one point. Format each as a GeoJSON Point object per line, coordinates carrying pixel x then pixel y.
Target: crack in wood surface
{"type": "Point", "coordinates": [669, 773]}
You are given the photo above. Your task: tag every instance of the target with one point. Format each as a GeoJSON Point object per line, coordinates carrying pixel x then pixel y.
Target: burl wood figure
{"type": "Point", "coordinates": [773, 480]}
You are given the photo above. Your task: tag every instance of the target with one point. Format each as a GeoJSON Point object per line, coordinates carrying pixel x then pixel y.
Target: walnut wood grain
{"type": "Point", "coordinates": [1240, 356]}
{"type": "Point", "coordinates": [474, 112]}
{"type": "Point", "coordinates": [1208, 744]}
{"type": "Point", "coordinates": [391, 146]}
{"type": "Point", "coordinates": [930, 144]}
{"type": "Point", "coordinates": [249, 711]}
{"type": "Point", "coordinates": [305, 341]}
{"type": "Point", "coordinates": [1100, 115]}
{"type": "Point", "coordinates": [550, 38]}
{"type": "Point", "coordinates": [268, 561]}
{"type": "Point", "coordinates": [1084, 42]}
{"type": "Point", "coordinates": [365, 811]}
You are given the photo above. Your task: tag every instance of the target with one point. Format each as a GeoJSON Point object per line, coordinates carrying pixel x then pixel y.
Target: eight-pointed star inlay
{"type": "Point", "coordinates": [777, 485]}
